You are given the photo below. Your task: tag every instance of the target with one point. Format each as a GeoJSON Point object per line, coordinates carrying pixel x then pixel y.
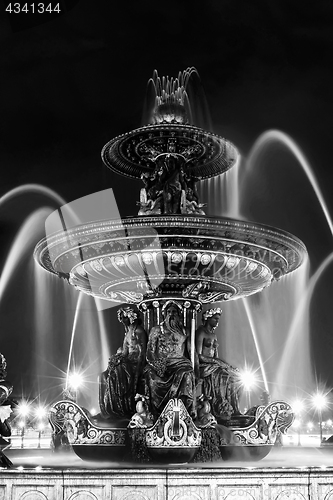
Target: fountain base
{"type": "Point", "coordinates": [174, 438]}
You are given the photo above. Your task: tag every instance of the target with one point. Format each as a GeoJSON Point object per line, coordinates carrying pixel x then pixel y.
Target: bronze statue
{"type": "Point", "coordinates": [169, 372]}
{"type": "Point", "coordinates": [170, 188]}
{"type": "Point", "coordinates": [121, 381]}
{"type": "Point", "coordinates": [219, 379]}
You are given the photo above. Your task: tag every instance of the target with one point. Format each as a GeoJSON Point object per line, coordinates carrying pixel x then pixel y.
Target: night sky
{"type": "Point", "coordinates": [70, 84]}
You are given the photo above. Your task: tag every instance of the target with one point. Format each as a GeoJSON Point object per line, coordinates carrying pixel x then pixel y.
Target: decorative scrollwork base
{"type": "Point", "coordinates": [270, 420]}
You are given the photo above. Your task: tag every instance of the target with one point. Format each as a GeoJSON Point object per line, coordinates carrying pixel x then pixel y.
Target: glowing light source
{"type": "Point", "coordinates": [248, 379]}
{"type": "Point", "coordinates": [298, 406]}
{"type": "Point", "coordinates": [23, 409]}
{"type": "Point", "coordinates": [75, 380]}
{"type": "Point", "coordinates": [40, 412]}
{"type": "Point", "coordinates": [319, 401]}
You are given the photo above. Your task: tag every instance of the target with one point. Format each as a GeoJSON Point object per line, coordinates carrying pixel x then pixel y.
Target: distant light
{"type": "Point", "coordinates": [23, 409]}
{"type": "Point", "coordinates": [41, 412]}
{"type": "Point", "coordinates": [319, 401]}
{"type": "Point", "coordinates": [41, 427]}
{"type": "Point", "coordinates": [248, 379]}
{"type": "Point", "coordinates": [298, 406]}
{"type": "Point", "coordinates": [21, 423]}
{"type": "Point", "coordinates": [310, 426]}
{"type": "Point", "coordinates": [93, 411]}
{"type": "Point", "coordinates": [75, 380]}
{"type": "Point", "coordinates": [329, 423]}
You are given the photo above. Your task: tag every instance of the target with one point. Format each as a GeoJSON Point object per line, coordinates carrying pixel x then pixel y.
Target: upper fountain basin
{"type": "Point", "coordinates": [133, 154]}
{"type": "Point", "coordinates": [190, 257]}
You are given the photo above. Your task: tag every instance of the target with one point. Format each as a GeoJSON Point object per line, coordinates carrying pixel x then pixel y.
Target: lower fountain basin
{"type": "Point", "coordinates": [245, 452]}
{"type": "Point", "coordinates": [172, 455]}
{"type": "Point", "coordinates": [100, 453]}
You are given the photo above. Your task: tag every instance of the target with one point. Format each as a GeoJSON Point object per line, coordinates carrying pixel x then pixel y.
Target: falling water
{"type": "Point", "coordinates": [24, 241]}
{"type": "Point", "coordinates": [271, 312]}
{"type": "Point", "coordinates": [256, 343]}
{"type": "Point", "coordinates": [47, 305]}
{"type": "Point", "coordinates": [221, 193]}
{"type": "Point", "coordinates": [70, 350]}
{"type": "Point", "coordinates": [186, 89]}
{"type": "Point", "coordinates": [294, 335]}
{"type": "Point", "coordinates": [276, 135]}
{"type": "Point", "coordinates": [31, 188]}
{"type": "Point", "coordinates": [297, 344]}
{"type": "Point", "coordinates": [237, 327]}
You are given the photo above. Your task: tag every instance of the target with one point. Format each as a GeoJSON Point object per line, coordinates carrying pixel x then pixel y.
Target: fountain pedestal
{"type": "Point", "coordinates": [173, 438]}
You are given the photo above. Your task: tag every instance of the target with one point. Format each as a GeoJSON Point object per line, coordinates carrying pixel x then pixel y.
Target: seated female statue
{"type": "Point", "coordinates": [219, 379]}
{"type": "Point", "coordinates": [121, 381]}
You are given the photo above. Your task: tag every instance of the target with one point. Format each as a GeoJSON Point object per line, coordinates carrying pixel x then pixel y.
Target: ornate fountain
{"type": "Point", "coordinates": [171, 261]}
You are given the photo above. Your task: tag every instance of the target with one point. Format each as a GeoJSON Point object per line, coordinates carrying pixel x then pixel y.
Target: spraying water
{"type": "Point", "coordinates": [70, 351]}
{"type": "Point", "coordinates": [256, 343]}
{"type": "Point", "coordinates": [294, 335]}
{"type": "Point", "coordinates": [270, 136]}
{"type": "Point", "coordinates": [24, 242]}
{"type": "Point", "coordinates": [31, 188]}
{"type": "Point", "coordinates": [51, 303]}
{"type": "Point", "coordinates": [268, 315]}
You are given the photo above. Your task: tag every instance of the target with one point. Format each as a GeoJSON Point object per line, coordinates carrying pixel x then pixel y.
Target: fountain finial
{"type": "Point", "coordinates": [171, 99]}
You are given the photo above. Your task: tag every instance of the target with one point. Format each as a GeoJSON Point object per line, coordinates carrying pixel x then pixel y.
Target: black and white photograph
{"type": "Point", "coordinates": [166, 256]}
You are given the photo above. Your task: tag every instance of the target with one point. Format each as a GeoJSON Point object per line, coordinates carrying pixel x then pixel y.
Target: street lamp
{"type": "Point", "coordinates": [310, 426]}
{"type": "Point", "coordinates": [40, 412]}
{"type": "Point", "coordinates": [319, 402]}
{"type": "Point", "coordinates": [298, 407]}
{"type": "Point", "coordinates": [21, 424]}
{"type": "Point", "coordinates": [23, 411]}
{"type": "Point", "coordinates": [297, 425]}
{"type": "Point", "coordinates": [40, 430]}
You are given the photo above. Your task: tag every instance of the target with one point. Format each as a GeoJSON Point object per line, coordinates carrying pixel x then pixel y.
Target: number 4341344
{"type": "Point", "coordinates": [32, 8]}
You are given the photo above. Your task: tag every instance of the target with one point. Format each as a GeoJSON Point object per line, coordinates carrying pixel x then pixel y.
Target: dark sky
{"type": "Point", "coordinates": [69, 85]}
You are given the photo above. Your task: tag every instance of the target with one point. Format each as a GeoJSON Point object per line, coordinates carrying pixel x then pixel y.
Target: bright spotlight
{"type": "Point", "coordinates": [23, 409]}
{"type": "Point", "coordinates": [248, 379]}
{"type": "Point", "coordinates": [75, 380]}
{"type": "Point", "coordinates": [298, 406]}
{"type": "Point", "coordinates": [319, 401]}
{"type": "Point", "coordinates": [40, 412]}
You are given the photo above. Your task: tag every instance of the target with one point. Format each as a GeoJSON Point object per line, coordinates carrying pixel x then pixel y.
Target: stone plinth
{"type": "Point", "coordinates": [310, 483]}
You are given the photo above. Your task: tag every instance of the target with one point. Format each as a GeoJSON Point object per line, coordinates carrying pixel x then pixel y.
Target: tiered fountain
{"type": "Point", "coordinates": [171, 254]}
